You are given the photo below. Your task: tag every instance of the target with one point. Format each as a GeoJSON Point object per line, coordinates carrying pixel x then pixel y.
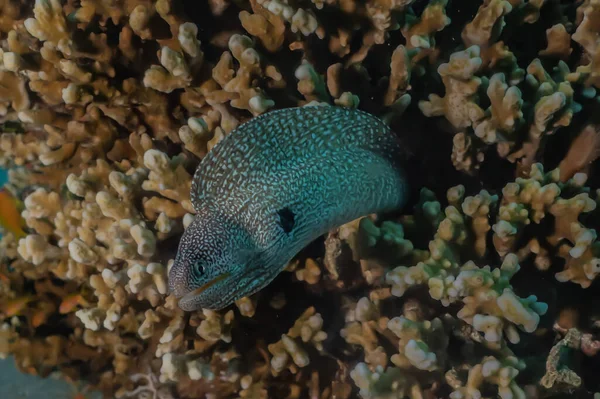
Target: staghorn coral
{"type": "Point", "coordinates": [461, 86]}
{"type": "Point", "coordinates": [451, 281]}
{"type": "Point", "coordinates": [504, 122]}
{"type": "Point", "coordinates": [177, 66]}
{"type": "Point", "coordinates": [493, 371]}
{"type": "Point", "coordinates": [421, 345]}
{"type": "Point", "coordinates": [488, 66]}
{"type": "Point", "coordinates": [420, 32]}
{"type": "Point", "coordinates": [106, 108]}
{"type": "Point", "coordinates": [288, 352]}
{"type": "Point", "coordinates": [528, 200]}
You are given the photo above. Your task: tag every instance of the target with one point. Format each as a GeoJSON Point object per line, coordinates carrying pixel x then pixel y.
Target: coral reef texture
{"type": "Point", "coordinates": [485, 287]}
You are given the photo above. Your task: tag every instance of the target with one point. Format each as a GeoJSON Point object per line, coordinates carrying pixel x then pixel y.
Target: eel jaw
{"type": "Point", "coordinates": [194, 293]}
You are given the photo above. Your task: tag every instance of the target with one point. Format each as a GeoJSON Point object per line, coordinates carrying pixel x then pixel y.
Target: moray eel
{"type": "Point", "coordinates": [271, 187]}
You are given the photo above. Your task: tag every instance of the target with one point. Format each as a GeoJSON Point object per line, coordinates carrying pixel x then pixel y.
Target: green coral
{"type": "Point", "coordinates": [388, 238]}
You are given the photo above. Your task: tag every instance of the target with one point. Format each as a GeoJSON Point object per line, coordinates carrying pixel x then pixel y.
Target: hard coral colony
{"type": "Point", "coordinates": [484, 288]}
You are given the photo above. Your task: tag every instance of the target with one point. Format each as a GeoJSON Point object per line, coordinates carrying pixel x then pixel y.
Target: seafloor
{"type": "Point", "coordinates": [484, 286]}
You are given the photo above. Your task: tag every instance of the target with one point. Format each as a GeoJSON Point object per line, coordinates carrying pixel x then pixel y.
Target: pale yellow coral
{"type": "Point", "coordinates": [530, 200]}
{"type": "Point", "coordinates": [216, 326]}
{"type": "Point", "coordinates": [288, 352]}
{"type": "Point", "coordinates": [172, 368]}
{"type": "Point", "coordinates": [93, 318]}
{"type": "Point", "coordinates": [168, 177]}
{"type": "Point", "coordinates": [49, 23]}
{"type": "Point", "coordinates": [13, 91]}
{"type": "Point", "coordinates": [139, 19]}
{"type": "Point", "coordinates": [265, 25]}
{"type": "Point", "coordinates": [188, 40]}
{"type": "Point", "coordinates": [300, 20]}
{"type": "Point", "coordinates": [399, 75]}
{"type": "Point", "coordinates": [559, 42]}
{"type": "Point", "coordinates": [382, 383]}
{"type": "Point", "coordinates": [461, 85]}
{"type": "Point", "coordinates": [586, 33]}
{"type": "Point", "coordinates": [488, 23]}
{"type": "Point", "coordinates": [465, 155]}
{"type": "Point", "coordinates": [239, 87]}
{"type": "Point", "coordinates": [505, 112]}
{"type": "Point", "coordinates": [36, 249]}
{"type": "Point", "coordinates": [311, 273]}
{"type": "Point", "coordinates": [499, 372]}
{"type": "Point", "coordinates": [420, 34]}
{"type": "Point", "coordinates": [482, 291]}
{"type": "Point", "coordinates": [82, 253]}
{"type": "Point", "coordinates": [147, 328]}
{"type": "Point", "coordinates": [176, 71]}
{"type": "Point", "coordinates": [246, 306]}
{"type": "Point", "coordinates": [113, 315]}
{"type": "Point", "coordinates": [478, 209]}
{"type": "Point", "coordinates": [413, 343]}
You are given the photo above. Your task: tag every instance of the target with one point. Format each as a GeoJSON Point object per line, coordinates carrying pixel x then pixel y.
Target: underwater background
{"type": "Point", "coordinates": [16, 385]}
{"type": "Point", "coordinates": [3, 176]}
{"type": "Point", "coordinates": [484, 285]}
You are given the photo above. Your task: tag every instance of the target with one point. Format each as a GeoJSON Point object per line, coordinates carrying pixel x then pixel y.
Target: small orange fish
{"type": "Point", "coordinates": [42, 313]}
{"type": "Point", "coordinates": [79, 391]}
{"type": "Point", "coordinates": [70, 302]}
{"type": "Point", "coordinates": [15, 306]}
{"type": "Point", "coordinates": [10, 214]}
{"type": "Point", "coordinates": [39, 318]}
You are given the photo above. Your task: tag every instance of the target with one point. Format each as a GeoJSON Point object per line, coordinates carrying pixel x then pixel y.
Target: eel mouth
{"type": "Point", "coordinates": [194, 293]}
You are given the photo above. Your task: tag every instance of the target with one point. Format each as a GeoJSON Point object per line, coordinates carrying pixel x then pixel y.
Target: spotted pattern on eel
{"type": "Point", "coordinates": [272, 186]}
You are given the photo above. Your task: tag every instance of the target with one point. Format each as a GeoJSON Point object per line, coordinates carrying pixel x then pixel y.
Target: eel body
{"type": "Point", "coordinates": [272, 186]}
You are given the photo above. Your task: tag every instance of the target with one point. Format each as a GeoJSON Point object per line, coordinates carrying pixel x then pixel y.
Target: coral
{"type": "Point", "coordinates": [461, 87]}
{"type": "Point", "coordinates": [559, 373]}
{"type": "Point", "coordinates": [451, 281]}
{"type": "Point", "coordinates": [216, 326]}
{"type": "Point", "coordinates": [420, 32]}
{"type": "Point", "coordinates": [384, 383]}
{"type": "Point", "coordinates": [413, 343]}
{"type": "Point", "coordinates": [107, 108]}
{"type": "Point", "coordinates": [177, 66]}
{"type": "Point", "coordinates": [559, 42]}
{"type": "Point", "coordinates": [289, 352]}
{"type": "Point", "coordinates": [311, 273]}
{"type": "Point", "coordinates": [529, 200]}
{"type": "Point", "coordinates": [505, 111]}
{"type": "Point", "coordinates": [487, 24]}
{"type": "Point", "coordinates": [493, 371]}
{"type": "Point", "coordinates": [267, 26]}
{"type": "Point", "coordinates": [12, 91]}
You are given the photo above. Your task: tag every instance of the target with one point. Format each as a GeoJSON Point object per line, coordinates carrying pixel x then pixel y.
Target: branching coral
{"type": "Point", "coordinates": [490, 370]}
{"type": "Point", "coordinates": [289, 351]}
{"type": "Point", "coordinates": [487, 65]}
{"type": "Point", "coordinates": [489, 304]}
{"type": "Point", "coordinates": [107, 107]}
{"type": "Point", "coordinates": [461, 84]}
{"type": "Point", "coordinates": [529, 201]}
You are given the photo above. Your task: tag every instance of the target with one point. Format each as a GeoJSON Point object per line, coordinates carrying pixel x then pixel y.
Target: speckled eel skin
{"type": "Point", "coordinates": [271, 187]}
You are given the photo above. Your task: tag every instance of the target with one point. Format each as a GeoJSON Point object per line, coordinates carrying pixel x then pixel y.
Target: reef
{"type": "Point", "coordinates": [485, 287]}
